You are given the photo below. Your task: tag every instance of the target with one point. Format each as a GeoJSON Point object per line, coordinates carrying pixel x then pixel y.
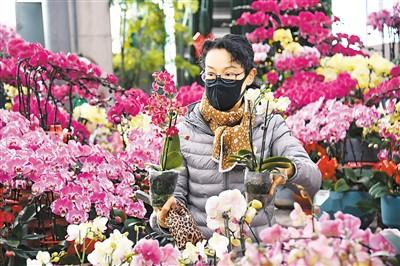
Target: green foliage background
{"type": "Point", "coordinates": [144, 39]}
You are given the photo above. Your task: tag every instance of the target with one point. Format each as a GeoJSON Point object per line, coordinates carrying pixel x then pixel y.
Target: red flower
{"type": "Point", "coordinates": [315, 147]}
{"type": "Point", "coordinates": [388, 167]}
{"type": "Point", "coordinates": [397, 179]}
{"type": "Point", "coordinates": [328, 167]}
{"type": "Point", "coordinates": [6, 218]}
{"type": "Point", "coordinates": [172, 131]}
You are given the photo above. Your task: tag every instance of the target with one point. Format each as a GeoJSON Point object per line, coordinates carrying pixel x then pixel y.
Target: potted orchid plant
{"type": "Point", "coordinates": [164, 112]}
{"type": "Point", "coordinates": [387, 188]}
{"type": "Point", "coordinates": [258, 181]}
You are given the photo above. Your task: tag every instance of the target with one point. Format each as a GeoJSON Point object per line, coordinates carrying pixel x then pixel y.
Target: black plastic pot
{"type": "Point", "coordinates": [257, 186]}
{"type": "Point", "coordinates": [162, 186]}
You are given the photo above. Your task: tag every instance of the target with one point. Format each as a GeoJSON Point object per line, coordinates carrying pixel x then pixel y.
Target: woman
{"type": "Point", "coordinates": [228, 69]}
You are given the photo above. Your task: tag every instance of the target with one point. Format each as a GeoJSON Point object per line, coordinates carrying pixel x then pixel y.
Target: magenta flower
{"type": "Point", "coordinates": [256, 19]}
{"type": "Point", "coordinates": [272, 77]}
{"type": "Point", "coordinates": [388, 89]}
{"type": "Point", "coordinates": [304, 60]}
{"type": "Point", "coordinates": [112, 79]}
{"type": "Point", "coordinates": [307, 87]}
{"type": "Point", "coordinates": [189, 94]}
{"type": "Point", "coordinates": [260, 34]}
{"type": "Point", "coordinates": [135, 209]}
{"type": "Point", "coordinates": [395, 72]}
{"type": "Point", "coordinates": [265, 6]}
{"type": "Point", "coordinates": [329, 121]}
{"type": "Point", "coordinates": [297, 4]}
{"type": "Point", "coordinates": [149, 250]}
{"type": "Point", "coordinates": [77, 216]}
{"type": "Point", "coordinates": [165, 81]}
{"type": "Point", "coordinates": [62, 206]}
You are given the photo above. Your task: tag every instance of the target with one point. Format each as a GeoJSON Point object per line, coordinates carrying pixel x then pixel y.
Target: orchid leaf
{"type": "Point", "coordinates": [341, 186]}
{"type": "Point", "coordinates": [26, 215]}
{"type": "Point", "coordinates": [378, 190]}
{"type": "Point", "coordinates": [171, 155]}
{"type": "Point", "coordinates": [33, 237]}
{"type": "Point", "coordinates": [244, 153]}
{"type": "Point", "coordinates": [174, 160]}
{"type": "Point", "coordinates": [272, 165]}
{"type": "Point", "coordinates": [277, 159]}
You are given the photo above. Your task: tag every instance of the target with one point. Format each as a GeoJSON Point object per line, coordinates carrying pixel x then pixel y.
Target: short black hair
{"type": "Point", "coordinates": [237, 45]}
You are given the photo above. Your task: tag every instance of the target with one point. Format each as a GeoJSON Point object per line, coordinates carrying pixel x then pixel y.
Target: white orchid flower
{"type": "Point", "coordinates": [212, 206]}
{"type": "Point", "coordinates": [192, 252]}
{"type": "Point", "coordinates": [42, 258]}
{"type": "Point", "coordinates": [252, 95]}
{"type": "Point", "coordinates": [234, 202]}
{"type": "Point", "coordinates": [78, 232]}
{"type": "Point", "coordinates": [263, 105]}
{"type": "Point", "coordinates": [219, 244]}
{"type": "Point", "coordinates": [282, 104]}
{"type": "Point", "coordinates": [114, 249]}
{"type": "Point", "coordinates": [99, 224]}
{"type": "Point", "coordinates": [215, 223]}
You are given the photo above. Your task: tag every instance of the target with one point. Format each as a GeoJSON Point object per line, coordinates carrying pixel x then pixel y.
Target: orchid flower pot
{"type": "Point", "coordinates": [257, 186]}
{"type": "Point", "coordinates": [347, 202]}
{"type": "Point", "coordinates": [390, 208]}
{"type": "Point", "coordinates": [162, 186]}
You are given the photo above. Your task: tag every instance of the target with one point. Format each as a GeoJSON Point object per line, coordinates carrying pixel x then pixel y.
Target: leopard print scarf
{"type": "Point", "coordinates": [231, 132]}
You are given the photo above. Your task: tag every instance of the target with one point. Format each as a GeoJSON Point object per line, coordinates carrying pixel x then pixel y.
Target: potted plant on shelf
{"type": "Point", "coordinates": [259, 170]}
{"type": "Point", "coordinates": [348, 190]}
{"type": "Point", "coordinates": [324, 126]}
{"type": "Point", "coordinates": [387, 188]}
{"type": "Point", "coordinates": [164, 113]}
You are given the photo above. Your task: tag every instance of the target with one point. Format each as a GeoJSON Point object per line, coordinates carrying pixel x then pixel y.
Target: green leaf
{"type": "Point", "coordinates": [174, 160]}
{"type": "Point", "coordinates": [131, 222]}
{"type": "Point", "coordinates": [327, 184]}
{"type": "Point", "coordinates": [174, 143]}
{"type": "Point", "coordinates": [10, 242]}
{"type": "Point", "coordinates": [273, 165]}
{"type": "Point", "coordinates": [17, 231]}
{"type": "Point", "coordinates": [381, 176]}
{"type": "Point", "coordinates": [28, 214]}
{"type": "Point", "coordinates": [350, 174]}
{"type": "Point", "coordinates": [21, 253]}
{"type": "Point", "coordinates": [378, 190]}
{"type": "Point", "coordinates": [32, 237]}
{"type": "Point", "coordinates": [244, 153]}
{"type": "Point", "coordinates": [341, 186]}
{"type": "Point", "coordinates": [277, 159]}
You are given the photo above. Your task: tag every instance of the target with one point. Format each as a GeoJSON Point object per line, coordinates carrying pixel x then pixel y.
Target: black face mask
{"type": "Point", "coordinates": [223, 94]}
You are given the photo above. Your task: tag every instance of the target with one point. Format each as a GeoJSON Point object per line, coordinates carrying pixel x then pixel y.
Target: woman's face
{"type": "Point", "coordinates": [219, 62]}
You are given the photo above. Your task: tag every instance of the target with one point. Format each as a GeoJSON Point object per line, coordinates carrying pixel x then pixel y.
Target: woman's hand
{"type": "Point", "coordinates": [162, 213]}
{"type": "Point", "coordinates": [279, 179]}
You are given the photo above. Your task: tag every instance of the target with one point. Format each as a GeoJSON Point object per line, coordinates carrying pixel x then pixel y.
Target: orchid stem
{"type": "Point", "coordinates": [263, 140]}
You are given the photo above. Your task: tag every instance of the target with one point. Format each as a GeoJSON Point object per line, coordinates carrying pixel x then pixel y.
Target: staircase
{"type": "Point", "coordinates": [222, 17]}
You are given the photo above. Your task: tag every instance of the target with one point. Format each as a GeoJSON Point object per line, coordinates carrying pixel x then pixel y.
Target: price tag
{"type": "Point", "coordinates": [321, 196]}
